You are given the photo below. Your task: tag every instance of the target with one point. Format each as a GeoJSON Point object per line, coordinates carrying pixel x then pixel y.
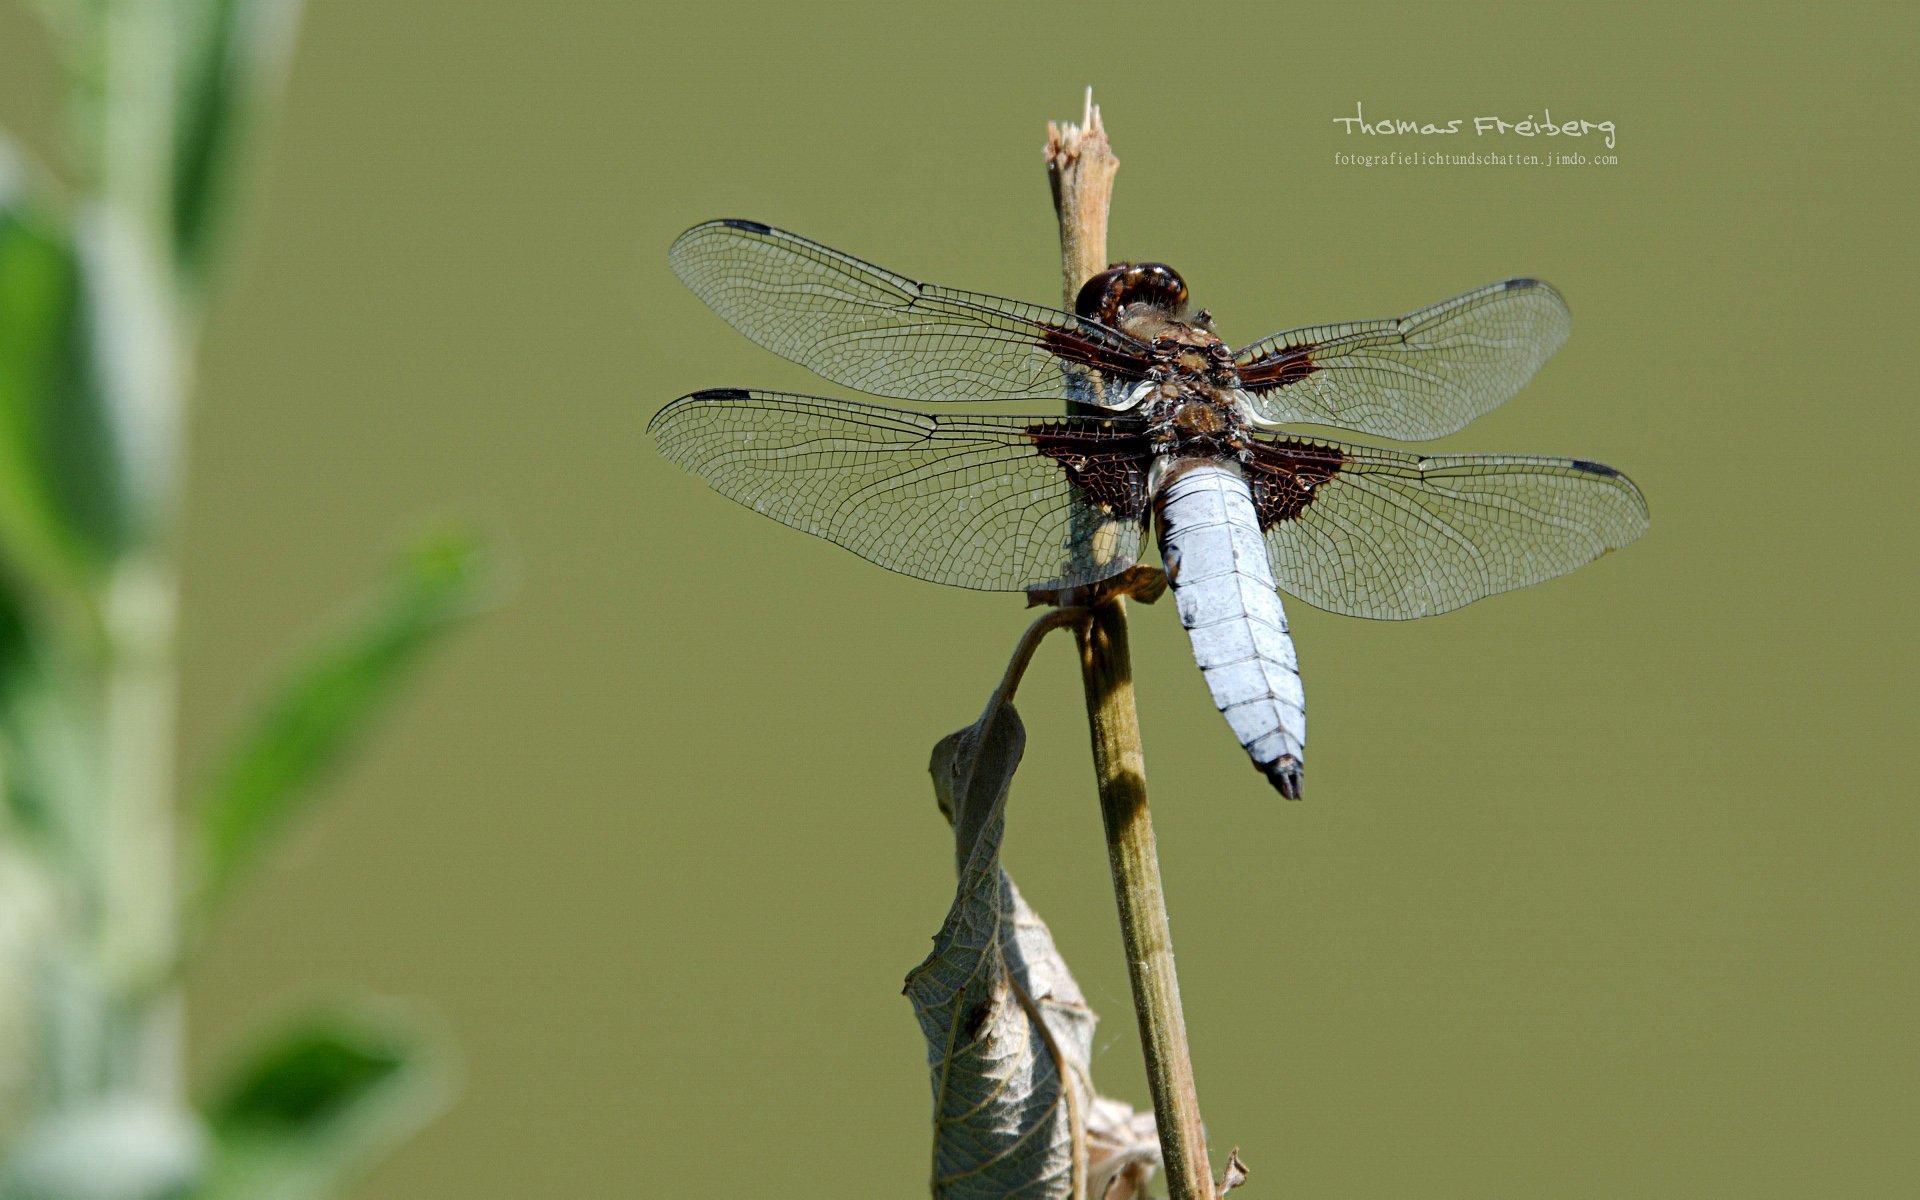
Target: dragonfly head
{"type": "Point", "coordinates": [1156, 285]}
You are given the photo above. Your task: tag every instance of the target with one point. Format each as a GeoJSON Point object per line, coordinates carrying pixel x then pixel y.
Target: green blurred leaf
{"type": "Point", "coordinates": [63, 504]}
{"type": "Point", "coordinates": [316, 712]}
{"type": "Point", "coordinates": [27, 812]}
{"type": "Point", "coordinates": [232, 55]}
{"type": "Point", "coordinates": [30, 732]}
{"type": "Point", "coordinates": [317, 1105]}
{"type": "Point", "coordinates": [49, 758]}
{"type": "Point", "coordinates": [16, 640]}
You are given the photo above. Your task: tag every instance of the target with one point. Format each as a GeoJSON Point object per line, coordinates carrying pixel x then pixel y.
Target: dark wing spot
{"type": "Point", "coordinates": [749, 226]}
{"type": "Point", "coordinates": [721, 394]}
{"type": "Point", "coordinates": [1107, 467]}
{"type": "Point", "coordinates": [1286, 474]}
{"type": "Point", "coordinates": [1279, 369]}
{"type": "Point", "coordinates": [1594, 468]}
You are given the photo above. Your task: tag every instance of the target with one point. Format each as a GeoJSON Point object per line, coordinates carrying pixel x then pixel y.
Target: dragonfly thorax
{"type": "Point", "coordinates": [1189, 417]}
{"type": "Point", "coordinates": [1200, 419]}
{"type": "Point", "coordinates": [1180, 350]}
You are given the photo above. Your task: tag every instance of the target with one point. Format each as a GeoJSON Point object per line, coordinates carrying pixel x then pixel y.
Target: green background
{"type": "Point", "coordinates": [1603, 888]}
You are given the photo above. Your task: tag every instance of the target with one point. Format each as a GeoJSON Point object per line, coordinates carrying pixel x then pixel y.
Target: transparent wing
{"type": "Point", "coordinates": [1411, 378]}
{"type": "Point", "coordinates": [995, 503]}
{"type": "Point", "coordinates": [1375, 533]}
{"type": "Point", "coordinates": [883, 333]}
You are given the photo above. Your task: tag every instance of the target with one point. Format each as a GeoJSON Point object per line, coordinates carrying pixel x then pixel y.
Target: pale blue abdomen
{"type": "Point", "coordinates": [1224, 591]}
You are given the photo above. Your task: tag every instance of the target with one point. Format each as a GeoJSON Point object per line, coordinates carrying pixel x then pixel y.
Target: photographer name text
{"type": "Point", "coordinates": [1529, 126]}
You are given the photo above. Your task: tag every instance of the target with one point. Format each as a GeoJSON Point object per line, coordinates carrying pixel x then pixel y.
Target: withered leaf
{"type": "Point", "coordinates": [1009, 1035]}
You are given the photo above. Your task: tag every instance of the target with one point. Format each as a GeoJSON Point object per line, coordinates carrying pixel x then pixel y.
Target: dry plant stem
{"type": "Point", "coordinates": [1080, 167]}
{"type": "Point", "coordinates": [1017, 664]}
{"type": "Point", "coordinates": [1080, 170]}
{"type": "Point", "coordinates": [1044, 624]}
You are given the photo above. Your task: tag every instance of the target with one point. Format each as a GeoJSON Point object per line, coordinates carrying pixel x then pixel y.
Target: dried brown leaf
{"type": "Point", "coordinates": [1235, 1176]}
{"type": "Point", "coordinates": [1009, 1034]}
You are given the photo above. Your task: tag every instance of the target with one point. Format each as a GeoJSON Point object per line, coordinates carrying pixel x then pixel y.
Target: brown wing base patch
{"type": "Point", "coordinates": [1107, 468]}
{"type": "Point", "coordinates": [1285, 476]}
{"type": "Point", "coordinates": [1087, 350]}
{"type": "Point", "coordinates": [1279, 370]}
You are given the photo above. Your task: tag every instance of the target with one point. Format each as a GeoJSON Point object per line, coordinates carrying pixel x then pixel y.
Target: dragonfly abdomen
{"type": "Point", "coordinates": [1225, 593]}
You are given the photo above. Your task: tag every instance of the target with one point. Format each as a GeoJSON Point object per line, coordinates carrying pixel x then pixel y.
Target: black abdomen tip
{"type": "Point", "coordinates": [1284, 775]}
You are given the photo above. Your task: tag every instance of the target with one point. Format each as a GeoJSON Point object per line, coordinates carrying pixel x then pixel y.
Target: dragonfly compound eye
{"type": "Point", "coordinates": [1159, 285]}
{"type": "Point", "coordinates": [1102, 297]}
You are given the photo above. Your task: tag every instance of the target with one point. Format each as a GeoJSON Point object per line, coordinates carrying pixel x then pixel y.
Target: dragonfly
{"type": "Point", "coordinates": [1167, 430]}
